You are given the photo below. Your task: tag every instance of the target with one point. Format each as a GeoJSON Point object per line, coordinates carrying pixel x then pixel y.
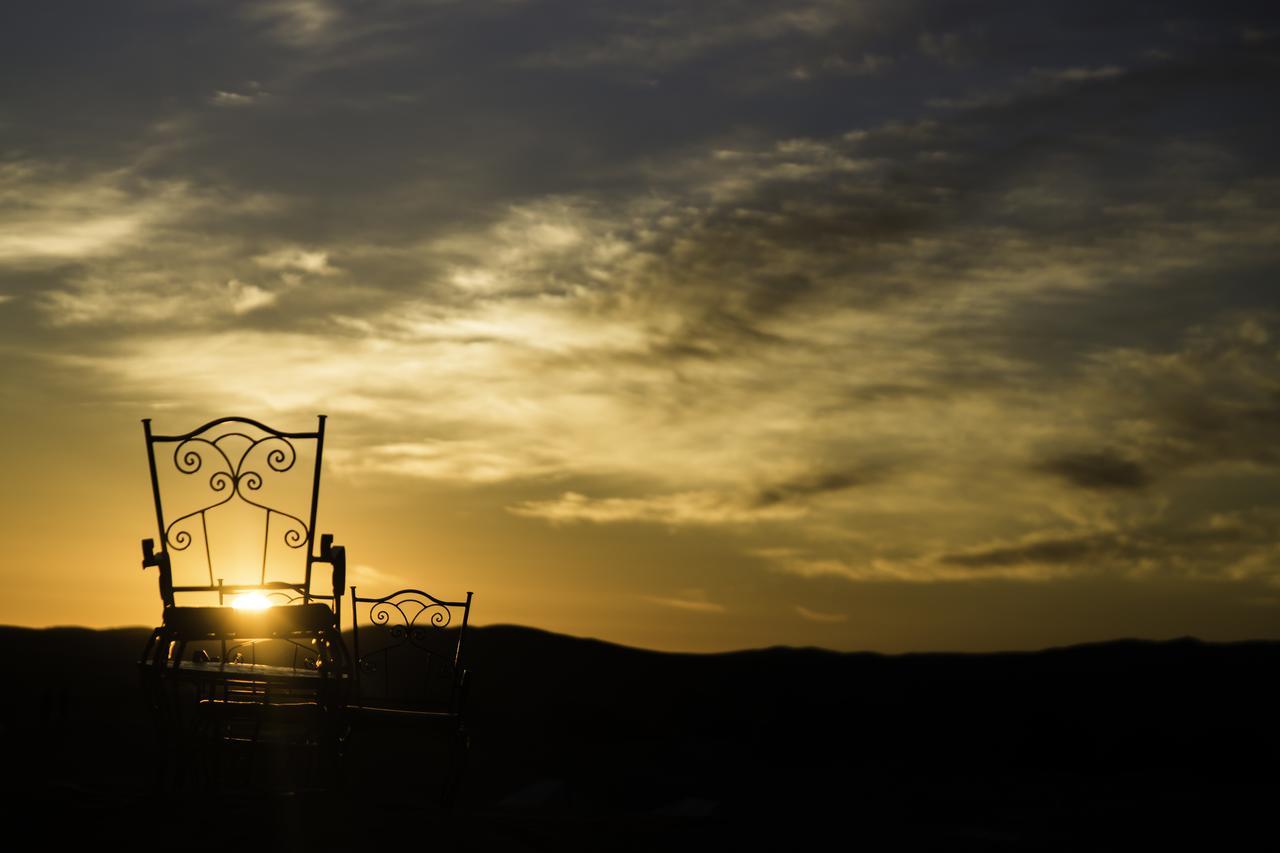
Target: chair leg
{"type": "Point", "coordinates": [330, 750]}
{"type": "Point", "coordinates": [459, 750]}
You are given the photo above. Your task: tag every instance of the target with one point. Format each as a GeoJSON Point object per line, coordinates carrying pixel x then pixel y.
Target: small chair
{"type": "Point", "coordinates": [409, 676]}
{"type": "Point", "coordinates": [239, 501]}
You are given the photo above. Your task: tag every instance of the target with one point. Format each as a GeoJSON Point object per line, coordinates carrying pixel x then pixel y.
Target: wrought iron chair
{"type": "Point", "coordinates": [409, 675]}
{"type": "Point", "coordinates": [238, 499]}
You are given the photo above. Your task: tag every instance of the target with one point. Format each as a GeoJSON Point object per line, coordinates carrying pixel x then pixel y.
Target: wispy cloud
{"type": "Point", "coordinates": [671, 36]}
{"type": "Point", "coordinates": [252, 94]}
{"type": "Point", "coordinates": [294, 259]}
{"type": "Point", "coordinates": [922, 569]}
{"type": "Point", "coordinates": [47, 216]}
{"type": "Point", "coordinates": [681, 508]}
{"type": "Point", "coordinates": [248, 297]}
{"type": "Point", "coordinates": [297, 23]}
{"type": "Point", "coordinates": [821, 616]}
{"type": "Point", "coordinates": [1080, 75]}
{"type": "Point", "coordinates": [693, 600]}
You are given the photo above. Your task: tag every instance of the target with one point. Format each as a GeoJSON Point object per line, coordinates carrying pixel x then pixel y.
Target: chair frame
{"type": "Point", "coordinates": [313, 627]}
{"type": "Point", "coordinates": [389, 611]}
{"type": "Point", "coordinates": [235, 481]}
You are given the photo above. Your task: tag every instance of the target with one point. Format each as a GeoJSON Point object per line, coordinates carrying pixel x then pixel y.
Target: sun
{"type": "Point", "coordinates": [250, 601]}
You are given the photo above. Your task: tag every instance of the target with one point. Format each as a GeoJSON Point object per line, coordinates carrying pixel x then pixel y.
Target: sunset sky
{"type": "Point", "coordinates": [690, 325]}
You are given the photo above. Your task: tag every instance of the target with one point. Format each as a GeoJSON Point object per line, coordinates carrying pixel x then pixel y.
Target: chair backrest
{"type": "Point", "coordinates": [407, 650]}
{"type": "Point", "coordinates": [236, 501]}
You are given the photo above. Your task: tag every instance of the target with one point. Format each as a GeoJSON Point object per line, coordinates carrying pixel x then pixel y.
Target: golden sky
{"type": "Point", "coordinates": [694, 326]}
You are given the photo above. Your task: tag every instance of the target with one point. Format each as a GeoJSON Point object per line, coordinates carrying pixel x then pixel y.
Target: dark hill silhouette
{"type": "Point", "coordinates": [585, 744]}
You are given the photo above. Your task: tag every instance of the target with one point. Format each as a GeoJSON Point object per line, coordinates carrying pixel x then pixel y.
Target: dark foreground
{"type": "Point", "coordinates": [581, 745]}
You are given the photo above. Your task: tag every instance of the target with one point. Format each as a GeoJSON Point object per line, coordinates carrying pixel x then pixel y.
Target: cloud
{"type": "Point", "coordinates": [231, 99]}
{"type": "Point", "coordinates": [702, 507]}
{"type": "Point", "coordinates": [926, 568]}
{"type": "Point", "coordinates": [797, 562]}
{"type": "Point", "coordinates": [820, 616]}
{"type": "Point", "coordinates": [294, 259]}
{"type": "Point", "coordinates": [253, 94]}
{"type": "Point", "coordinates": [693, 600]}
{"type": "Point", "coordinates": [669, 36]}
{"type": "Point", "coordinates": [599, 337]}
{"type": "Point", "coordinates": [1080, 75]}
{"type": "Point", "coordinates": [835, 64]}
{"type": "Point", "coordinates": [297, 23]}
{"type": "Point", "coordinates": [814, 483]}
{"type": "Point", "coordinates": [1161, 546]}
{"type": "Point", "coordinates": [92, 300]}
{"type": "Point", "coordinates": [466, 460]}
{"type": "Point", "coordinates": [383, 581]}
{"type": "Point", "coordinates": [1232, 545]}
{"type": "Point", "coordinates": [48, 216]}
{"type": "Point", "coordinates": [1099, 470]}
{"type": "Point", "coordinates": [248, 297]}
{"type": "Point", "coordinates": [1044, 551]}
{"type": "Point", "coordinates": [958, 49]}
{"type": "Point", "coordinates": [1255, 35]}
{"type": "Point", "coordinates": [1221, 545]}
{"type": "Point", "coordinates": [1210, 401]}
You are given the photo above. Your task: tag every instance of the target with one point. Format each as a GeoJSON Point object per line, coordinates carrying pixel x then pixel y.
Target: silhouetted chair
{"type": "Point", "coordinates": [245, 640]}
{"type": "Point", "coordinates": [409, 678]}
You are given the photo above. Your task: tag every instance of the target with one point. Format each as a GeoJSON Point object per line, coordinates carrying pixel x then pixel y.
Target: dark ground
{"type": "Point", "coordinates": [582, 745]}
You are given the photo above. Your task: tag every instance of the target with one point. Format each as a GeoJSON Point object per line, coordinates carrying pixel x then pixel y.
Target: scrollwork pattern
{"type": "Point", "coordinates": [235, 479]}
{"type": "Point", "coordinates": [410, 627]}
{"type": "Point", "coordinates": [180, 541]}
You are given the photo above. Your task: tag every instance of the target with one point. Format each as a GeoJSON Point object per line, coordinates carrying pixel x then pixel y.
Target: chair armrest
{"type": "Point", "coordinates": [336, 556]}
{"type": "Point", "coordinates": [161, 561]}
{"type": "Point", "coordinates": [339, 563]}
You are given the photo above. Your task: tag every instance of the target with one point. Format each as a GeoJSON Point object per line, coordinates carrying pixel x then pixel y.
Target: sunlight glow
{"type": "Point", "coordinates": [250, 601]}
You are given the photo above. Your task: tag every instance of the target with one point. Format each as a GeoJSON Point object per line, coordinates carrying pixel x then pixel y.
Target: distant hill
{"type": "Point", "coordinates": [1039, 746]}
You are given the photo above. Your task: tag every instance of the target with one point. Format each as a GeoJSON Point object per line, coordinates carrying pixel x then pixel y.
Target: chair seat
{"type": "Point", "coordinates": [229, 622]}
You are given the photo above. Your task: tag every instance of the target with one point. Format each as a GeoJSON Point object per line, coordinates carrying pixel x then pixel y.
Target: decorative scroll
{"type": "Point", "coordinates": [235, 464]}
{"type": "Point", "coordinates": [405, 620]}
{"type": "Point", "coordinates": [410, 617]}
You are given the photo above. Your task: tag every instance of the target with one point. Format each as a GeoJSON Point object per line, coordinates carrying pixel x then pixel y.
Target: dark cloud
{"type": "Point", "coordinates": [1101, 470]}
{"type": "Point", "coordinates": [1066, 550]}
{"type": "Point", "coordinates": [1163, 547]}
{"type": "Point", "coordinates": [815, 484]}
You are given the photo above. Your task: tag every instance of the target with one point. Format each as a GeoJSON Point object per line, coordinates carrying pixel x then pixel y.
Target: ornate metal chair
{"type": "Point", "coordinates": [409, 675]}
{"type": "Point", "coordinates": [235, 508]}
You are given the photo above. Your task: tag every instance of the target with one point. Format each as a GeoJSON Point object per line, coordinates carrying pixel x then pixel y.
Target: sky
{"type": "Point", "coordinates": [696, 326]}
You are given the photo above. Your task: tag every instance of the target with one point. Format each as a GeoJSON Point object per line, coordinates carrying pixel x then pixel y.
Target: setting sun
{"type": "Point", "coordinates": [250, 601]}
